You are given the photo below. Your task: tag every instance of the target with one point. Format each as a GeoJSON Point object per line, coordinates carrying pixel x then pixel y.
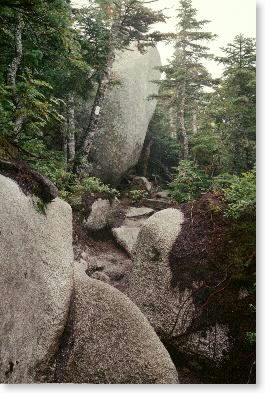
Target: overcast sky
{"type": "Point", "coordinates": [228, 18]}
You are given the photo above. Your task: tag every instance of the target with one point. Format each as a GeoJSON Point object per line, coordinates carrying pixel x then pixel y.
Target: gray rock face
{"type": "Point", "coordinates": [149, 286]}
{"type": "Point", "coordinates": [109, 341]}
{"type": "Point", "coordinates": [126, 115]}
{"type": "Point", "coordinates": [126, 237]}
{"type": "Point", "coordinates": [35, 283]}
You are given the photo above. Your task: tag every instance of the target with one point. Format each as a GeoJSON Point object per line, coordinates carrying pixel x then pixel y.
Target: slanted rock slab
{"type": "Point", "coordinates": [126, 237]}
{"type": "Point", "coordinates": [150, 280]}
{"type": "Point", "coordinates": [138, 212]}
{"type": "Point", "coordinates": [163, 195]}
{"type": "Point", "coordinates": [109, 341]}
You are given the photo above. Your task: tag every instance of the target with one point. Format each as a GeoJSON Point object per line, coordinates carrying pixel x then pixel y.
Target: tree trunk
{"type": "Point", "coordinates": [97, 107]}
{"type": "Point", "coordinates": [65, 150]}
{"type": "Point", "coordinates": [145, 156]}
{"type": "Point", "coordinates": [12, 74]}
{"type": "Point", "coordinates": [14, 65]}
{"type": "Point", "coordinates": [182, 128]}
{"type": "Point", "coordinates": [71, 128]}
{"type": "Point", "coordinates": [194, 122]}
{"type": "Point", "coordinates": [172, 120]}
{"type": "Point", "coordinates": [96, 112]}
{"type": "Point", "coordinates": [65, 139]}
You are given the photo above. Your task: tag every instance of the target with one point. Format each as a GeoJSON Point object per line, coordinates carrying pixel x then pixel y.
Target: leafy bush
{"type": "Point", "coordinates": [205, 148]}
{"type": "Point", "coordinates": [223, 181]}
{"type": "Point", "coordinates": [94, 185]}
{"type": "Point", "coordinates": [189, 183]}
{"type": "Point", "coordinates": [241, 195]}
{"type": "Point", "coordinates": [251, 338]}
{"type": "Point", "coordinates": [76, 188]}
{"type": "Point", "coordinates": [137, 195]}
{"type": "Point", "coordinates": [53, 167]}
{"type": "Point", "coordinates": [70, 186]}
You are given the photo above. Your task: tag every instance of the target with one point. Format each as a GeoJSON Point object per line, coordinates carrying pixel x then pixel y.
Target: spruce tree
{"type": "Point", "coordinates": [236, 98]}
{"type": "Point", "coordinates": [186, 75]}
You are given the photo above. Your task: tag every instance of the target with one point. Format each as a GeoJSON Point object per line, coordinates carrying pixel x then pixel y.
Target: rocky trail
{"type": "Point", "coordinates": [130, 283]}
{"type": "Point", "coordinates": [107, 254]}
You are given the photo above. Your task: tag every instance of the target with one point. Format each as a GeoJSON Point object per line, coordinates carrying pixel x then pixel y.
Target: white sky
{"type": "Point", "coordinates": [228, 18]}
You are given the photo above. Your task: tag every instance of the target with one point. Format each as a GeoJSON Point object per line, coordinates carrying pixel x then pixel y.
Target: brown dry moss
{"type": "Point", "coordinates": [219, 255]}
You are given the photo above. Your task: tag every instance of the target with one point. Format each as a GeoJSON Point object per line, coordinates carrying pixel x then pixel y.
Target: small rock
{"type": "Point", "coordinates": [163, 195]}
{"type": "Point", "coordinates": [143, 183]}
{"type": "Point", "coordinates": [83, 263]}
{"type": "Point", "coordinates": [116, 215]}
{"type": "Point", "coordinates": [101, 277]}
{"type": "Point", "coordinates": [243, 293]}
{"type": "Point", "coordinates": [96, 265]}
{"type": "Point", "coordinates": [84, 255]}
{"type": "Point", "coordinates": [98, 218]}
{"type": "Point", "coordinates": [158, 204]}
{"type": "Point", "coordinates": [115, 274]}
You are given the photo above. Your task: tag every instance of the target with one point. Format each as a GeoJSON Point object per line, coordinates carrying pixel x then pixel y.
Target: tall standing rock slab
{"type": "Point", "coordinates": [109, 341]}
{"type": "Point", "coordinates": [150, 282]}
{"type": "Point", "coordinates": [126, 114]}
{"type": "Point", "coordinates": [36, 281]}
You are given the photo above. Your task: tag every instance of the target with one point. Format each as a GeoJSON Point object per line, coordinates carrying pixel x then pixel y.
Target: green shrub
{"type": "Point", "coordinates": [70, 186]}
{"type": "Point", "coordinates": [240, 196]}
{"type": "Point", "coordinates": [189, 183]}
{"type": "Point", "coordinates": [223, 181]}
{"type": "Point", "coordinates": [137, 195]}
{"type": "Point", "coordinates": [251, 338]}
{"type": "Point", "coordinates": [94, 185]}
{"type": "Point", "coordinates": [90, 185]}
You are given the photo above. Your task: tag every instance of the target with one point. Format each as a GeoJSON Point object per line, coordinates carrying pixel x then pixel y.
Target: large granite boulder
{"type": "Point", "coordinates": [126, 114]}
{"type": "Point", "coordinates": [109, 341]}
{"type": "Point", "coordinates": [36, 281]}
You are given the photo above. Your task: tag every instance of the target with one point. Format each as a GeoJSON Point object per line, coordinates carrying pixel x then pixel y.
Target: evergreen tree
{"type": "Point", "coordinates": [186, 76]}
{"type": "Point", "coordinates": [236, 102]}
